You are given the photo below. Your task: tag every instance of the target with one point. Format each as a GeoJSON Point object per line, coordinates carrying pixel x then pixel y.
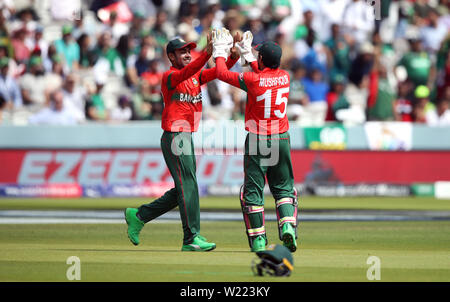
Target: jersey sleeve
{"type": "Point", "coordinates": [176, 77]}
{"type": "Point", "coordinates": [254, 66]}
{"type": "Point", "coordinates": [239, 80]}
{"type": "Point", "coordinates": [210, 74]}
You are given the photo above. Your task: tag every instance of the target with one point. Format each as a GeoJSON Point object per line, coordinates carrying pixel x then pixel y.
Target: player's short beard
{"type": "Point", "coordinates": [178, 62]}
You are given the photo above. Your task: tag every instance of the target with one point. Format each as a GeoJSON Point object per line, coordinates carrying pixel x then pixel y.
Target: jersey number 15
{"type": "Point", "coordinates": [267, 97]}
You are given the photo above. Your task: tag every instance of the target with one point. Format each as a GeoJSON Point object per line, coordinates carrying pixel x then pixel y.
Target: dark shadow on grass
{"type": "Point", "coordinates": [109, 250]}
{"type": "Point", "coordinates": [131, 250]}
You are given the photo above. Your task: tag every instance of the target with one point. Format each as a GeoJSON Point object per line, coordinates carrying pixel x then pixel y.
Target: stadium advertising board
{"type": "Point", "coordinates": [332, 137]}
{"type": "Point", "coordinates": [94, 173]}
{"type": "Point", "coordinates": [389, 135]}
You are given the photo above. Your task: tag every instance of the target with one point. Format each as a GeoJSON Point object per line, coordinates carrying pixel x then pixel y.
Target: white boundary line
{"type": "Point", "coordinates": [116, 217]}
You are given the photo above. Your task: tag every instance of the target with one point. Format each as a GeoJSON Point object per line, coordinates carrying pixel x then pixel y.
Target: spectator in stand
{"type": "Point", "coordinates": [95, 106]}
{"type": "Point", "coordinates": [312, 52]}
{"type": "Point", "coordinates": [233, 20]}
{"type": "Point", "coordinates": [4, 26]}
{"type": "Point", "coordinates": [38, 45]}
{"type": "Point", "coordinates": [14, 70]}
{"type": "Point", "coordinates": [297, 94]}
{"type": "Point", "coordinates": [124, 49]}
{"type": "Point", "coordinates": [441, 115]}
{"type": "Point", "coordinates": [142, 101]}
{"type": "Point", "coordinates": [116, 28]}
{"type": "Point", "coordinates": [330, 13]}
{"type": "Point", "coordinates": [157, 109]}
{"type": "Point", "coordinates": [316, 88]}
{"type": "Point", "coordinates": [338, 52]}
{"type": "Point", "coordinates": [87, 54]}
{"type": "Point", "coordinates": [9, 88]}
{"type": "Point", "coordinates": [443, 80]}
{"type": "Point", "coordinates": [153, 76]}
{"type": "Point", "coordinates": [239, 113]}
{"type": "Point", "coordinates": [358, 22]}
{"type": "Point", "coordinates": [56, 74]}
{"type": "Point", "coordinates": [335, 97]}
{"type": "Point", "coordinates": [55, 114]}
{"type": "Point", "coordinates": [163, 28]}
{"type": "Point", "coordinates": [206, 22]}
{"type": "Point", "coordinates": [21, 51]}
{"type": "Point", "coordinates": [286, 48]}
{"type": "Point", "coordinates": [68, 48]}
{"type": "Point", "coordinates": [47, 62]}
{"type": "Point", "coordinates": [422, 9]}
{"type": "Point", "coordinates": [107, 55]}
{"type": "Point", "coordinates": [136, 26]}
{"type": "Point", "coordinates": [381, 103]}
{"type": "Point", "coordinates": [298, 99]}
{"type": "Point", "coordinates": [255, 25]}
{"type": "Point", "coordinates": [74, 98]}
{"type": "Point", "coordinates": [2, 107]}
{"type": "Point", "coordinates": [417, 62]}
{"type": "Point", "coordinates": [422, 104]}
{"type": "Point", "coordinates": [356, 94]}
{"type": "Point", "coordinates": [362, 65]}
{"type": "Point", "coordinates": [301, 30]}
{"type": "Point", "coordinates": [123, 111]}
{"type": "Point", "coordinates": [403, 105]}
{"type": "Point", "coordinates": [33, 85]}
{"type": "Point", "coordinates": [434, 33]}
{"type": "Point", "coordinates": [138, 64]}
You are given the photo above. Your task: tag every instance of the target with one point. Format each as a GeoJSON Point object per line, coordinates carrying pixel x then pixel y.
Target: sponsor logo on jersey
{"type": "Point", "coordinates": [184, 97]}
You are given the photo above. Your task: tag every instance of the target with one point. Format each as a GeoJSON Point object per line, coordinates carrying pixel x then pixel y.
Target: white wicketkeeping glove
{"type": "Point", "coordinates": [222, 43]}
{"type": "Point", "coordinates": [245, 49]}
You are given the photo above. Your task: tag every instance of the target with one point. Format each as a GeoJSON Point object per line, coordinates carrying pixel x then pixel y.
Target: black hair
{"type": "Point", "coordinates": [2, 101]}
{"type": "Point", "coordinates": [122, 46]}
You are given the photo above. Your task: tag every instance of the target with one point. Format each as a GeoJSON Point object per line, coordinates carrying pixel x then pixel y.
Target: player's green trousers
{"type": "Point", "coordinates": [267, 156]}
{"type": "Point", "coordinates": [178, 152]}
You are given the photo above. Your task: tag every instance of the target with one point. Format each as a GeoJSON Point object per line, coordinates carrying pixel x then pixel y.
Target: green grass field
{"type": "Point", "coordinates": [328, 251]}
{"type": "Point", "coordinates": [232, 204]}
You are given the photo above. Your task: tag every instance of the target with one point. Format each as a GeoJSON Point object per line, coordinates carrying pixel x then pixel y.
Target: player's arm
{"type": "Point", "coordinates": [176, 77]}
{"type": "Point", "coordinates": [254, 66]}
{"type": "Point", "coordinates": [210, 74]}
{"type": "Point", "coordinates": [221, 41]}
{"type": "Point", "coordinates": [235, 79]}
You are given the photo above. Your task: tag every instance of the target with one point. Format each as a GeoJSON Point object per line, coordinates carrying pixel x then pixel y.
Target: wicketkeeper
{"type": "Point", "coordinates": [267, 146]}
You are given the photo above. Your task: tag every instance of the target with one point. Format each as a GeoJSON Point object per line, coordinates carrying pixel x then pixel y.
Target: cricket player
{"type": "Point", "coordinates": [181, 89]}
{"type": "Point", "coordinates": [267, 145]}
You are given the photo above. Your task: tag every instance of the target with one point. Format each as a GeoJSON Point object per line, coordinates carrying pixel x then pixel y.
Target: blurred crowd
{"type": "Point", "coordinates": [68, 62]}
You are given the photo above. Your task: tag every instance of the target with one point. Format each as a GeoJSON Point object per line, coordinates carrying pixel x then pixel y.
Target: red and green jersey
{"type": "Point", "coordinates": [267, 97]}
{"type": "Point", "coordinates": [181, 90]}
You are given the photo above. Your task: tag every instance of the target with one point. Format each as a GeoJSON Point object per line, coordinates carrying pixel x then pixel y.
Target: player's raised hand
{"type": "Point", "coordinates": [228, 37]}
{"type": "Point", "coordinates": [221, 43]}
{"type": "Point", "coordinates": [245, 48]}
{"type": "Point", "coordinates": [209, 44]}
{"type": "Point", "coordinates": [234, 53]}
